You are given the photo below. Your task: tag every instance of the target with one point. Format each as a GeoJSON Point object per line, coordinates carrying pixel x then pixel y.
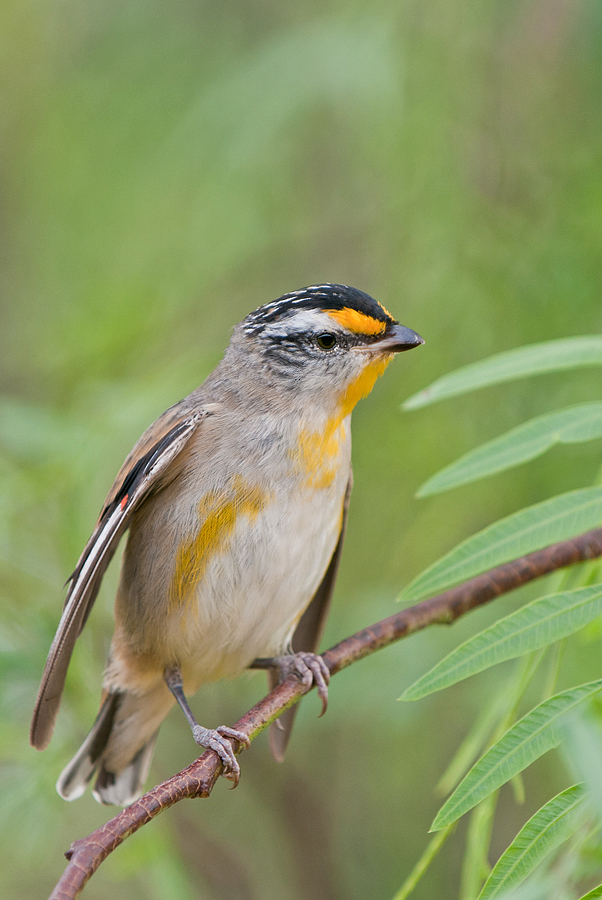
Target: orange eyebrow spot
{"type": "Point", "coordinates": [357, 322]}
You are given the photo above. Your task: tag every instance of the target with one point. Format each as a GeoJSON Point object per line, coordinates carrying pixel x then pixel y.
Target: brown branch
{"type": "Point", "coordinates": [198, 780]}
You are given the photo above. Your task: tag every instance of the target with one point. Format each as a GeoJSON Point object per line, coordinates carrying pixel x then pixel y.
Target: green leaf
{"type": "Point", "coordinates": [532, 736]}
{"type": "Point", "coordinates": [535, 359]}
{"type": "Point", "coordinates": [594, 894]}
{"type": "Point", "coordinates": [573, 425]}
{"type": "Point", "coordinates": [546, 830]}
{"type": "Point", "coordinates": [529, 529]}
{"type": "Point", "coordinates": [536, 625]}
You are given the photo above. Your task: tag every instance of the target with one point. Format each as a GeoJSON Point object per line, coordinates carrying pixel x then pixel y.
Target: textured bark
{"type": "Point", "coordinates": [197, 780]}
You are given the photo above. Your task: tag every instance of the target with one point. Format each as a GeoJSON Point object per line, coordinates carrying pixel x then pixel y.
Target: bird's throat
{"type": "Point", "coordinates": [363, 384]}
{"type": "Point", "coordinates": [317, 454]}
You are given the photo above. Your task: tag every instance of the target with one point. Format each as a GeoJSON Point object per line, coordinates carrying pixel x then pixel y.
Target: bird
{"type": "Point", "coordinates": [235, 501]}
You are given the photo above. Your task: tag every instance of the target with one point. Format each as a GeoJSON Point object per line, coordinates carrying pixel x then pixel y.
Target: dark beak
{"type": "Point", "coordinates": [397, 338]}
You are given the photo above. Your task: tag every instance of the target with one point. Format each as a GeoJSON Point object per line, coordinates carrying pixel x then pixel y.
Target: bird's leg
{"type": "Point", "coordinates": [309, 668]}
{"type": "Point", "coordinates": [209, 738]}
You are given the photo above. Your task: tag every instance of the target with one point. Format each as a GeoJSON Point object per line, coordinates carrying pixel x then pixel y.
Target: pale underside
{"type": "Point", "coordinates": [234, 583]}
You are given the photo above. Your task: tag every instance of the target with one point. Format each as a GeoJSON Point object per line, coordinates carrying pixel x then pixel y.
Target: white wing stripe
{"type": "Point", "coordinates": [109, 530]}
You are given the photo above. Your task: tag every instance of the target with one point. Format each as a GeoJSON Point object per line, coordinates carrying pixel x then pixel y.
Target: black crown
{"type": "Point", "coordinates": [317, 296]}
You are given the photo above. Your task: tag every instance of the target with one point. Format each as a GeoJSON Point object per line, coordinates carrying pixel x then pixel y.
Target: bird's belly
{"type": "Point", "coordinates": [254, 587]}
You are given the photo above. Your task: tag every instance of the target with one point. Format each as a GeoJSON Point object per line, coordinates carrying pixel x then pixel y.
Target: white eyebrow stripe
{"type": "Point", "coordinates": [299, 296]}
{"type": "Point", "coordinates": [303, 320]}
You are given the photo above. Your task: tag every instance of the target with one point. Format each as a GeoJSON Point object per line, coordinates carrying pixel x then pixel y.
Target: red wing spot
{"type": "Point", "coordinates": [124, 501]}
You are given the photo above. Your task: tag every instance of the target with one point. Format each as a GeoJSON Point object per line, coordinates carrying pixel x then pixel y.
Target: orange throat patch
{"type": "Point", "coordinates": [317, 454]}
{"type": "Point", "coordinates": [364, 383]}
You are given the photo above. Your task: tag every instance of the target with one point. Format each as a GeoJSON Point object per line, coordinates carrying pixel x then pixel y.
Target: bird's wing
{"type": "Point", "coordinates": [307, 635]}
{"type": "Point", "coordinates": [148, 468]}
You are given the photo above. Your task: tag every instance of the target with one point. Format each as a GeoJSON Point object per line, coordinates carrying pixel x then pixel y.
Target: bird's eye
{"type": "Point", "coordinates": [326, 341]}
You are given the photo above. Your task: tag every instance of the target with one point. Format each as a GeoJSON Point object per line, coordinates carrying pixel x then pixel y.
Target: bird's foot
{"type": "Point", "coordinates": [309, 668]}
{"type": "Point", "coordinates": [219, 739]}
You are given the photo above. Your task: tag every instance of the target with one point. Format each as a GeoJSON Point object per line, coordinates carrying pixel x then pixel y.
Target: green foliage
{"type": "Point", "coordinates": [566, 426]}
{"type": "Point", "coordinates": [552, 356]}
{"type": "Point", "coordinates": [594, 894]}
{"type": "Point", "coordinates": [530, 529]}
{"type": "Point", "coordinates": [537, 624]}
{"type": "Point", "coordinates": [528, 633]}
{"type": "Point", "coordinates": [551, 825]}
{"type": "Point", "coordinates": [537, 732]}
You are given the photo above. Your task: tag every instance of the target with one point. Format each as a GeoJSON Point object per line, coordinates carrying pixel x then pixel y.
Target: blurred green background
{"type": "Point", "coordinates": [164, 169]}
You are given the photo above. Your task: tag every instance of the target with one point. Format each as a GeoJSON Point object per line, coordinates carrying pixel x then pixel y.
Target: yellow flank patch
{"type": "Point", "coordinates": [218, 513]}
{"type": "Point", "coordinates": [356, 321]}
{"type": "Point", "coordinates": [317, 454]}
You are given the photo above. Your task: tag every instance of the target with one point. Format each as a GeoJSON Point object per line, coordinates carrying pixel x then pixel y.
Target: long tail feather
{"type": "Point", "coordinates": [128, 785]}
{"type": "Point", "coordinates": [74, 779]}
{"type": "Point", "coordinates": [119, 747]}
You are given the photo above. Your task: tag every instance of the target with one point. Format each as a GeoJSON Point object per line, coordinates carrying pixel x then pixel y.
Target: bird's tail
{"type": "Point", "coordinates": [119, 748]}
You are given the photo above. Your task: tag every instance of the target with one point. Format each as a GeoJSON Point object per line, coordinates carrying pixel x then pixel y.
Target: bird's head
{"type": "Point", "coordinates": [325, 340]}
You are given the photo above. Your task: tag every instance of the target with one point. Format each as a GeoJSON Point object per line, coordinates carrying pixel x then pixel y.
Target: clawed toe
{"type": "Point", "coordinates": [310, 669]}
{"type": "Point", "coordinates": [239, 736]}
{"type": "Point", "coordinates": [219, 739]}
